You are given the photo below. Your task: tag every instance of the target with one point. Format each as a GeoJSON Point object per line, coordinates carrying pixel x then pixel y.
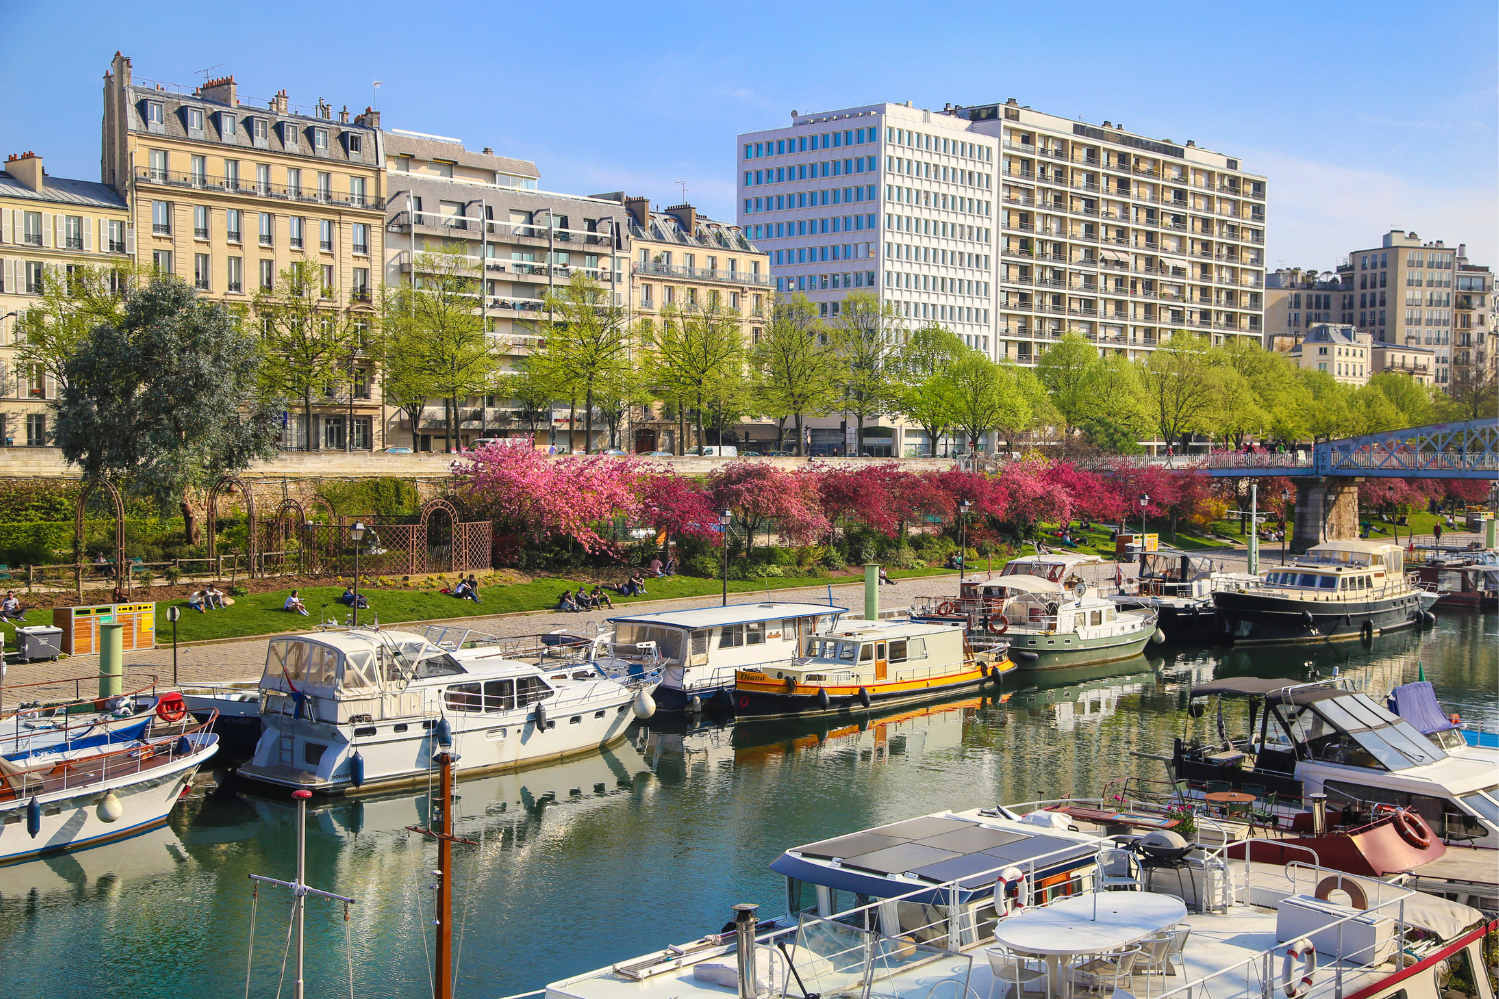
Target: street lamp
{"type": "Point", "coordinates": [725, 518]}
{"type": "Point", "coordinates": [357, 534]}
{"type": "Point", "coordinates": [1285, 497]}
{"type": "Point", "coordinates": [1144, 502]}
{"type": "Point", "coordinates": [964, 505]}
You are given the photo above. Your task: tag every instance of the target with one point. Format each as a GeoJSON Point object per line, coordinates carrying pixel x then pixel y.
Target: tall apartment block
{"type": "Point", "coordinates": [227, 195]}
{"type": "Point", "coordinates": [1009, 225]}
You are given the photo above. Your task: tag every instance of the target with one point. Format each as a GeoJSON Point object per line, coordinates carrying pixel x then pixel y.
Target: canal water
{"type": "Point", "coordinates": [589, 862]}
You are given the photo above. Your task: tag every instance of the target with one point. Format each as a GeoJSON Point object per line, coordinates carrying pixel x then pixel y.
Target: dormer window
{"type": "Point", "coordinates": [156, 116]}
{"type": "Point", "coordinates": [289, 135]}
{"type": "Point", "coordinates": [355, 143]}
{"type": "Point", "coordinates": [194, 122]}
{"type": "Point", "coordinates": [227, 129]}
{"type": "Point", "coordinates": [320, 141]}
{"type": "Point", "coordinates": [260, 133]}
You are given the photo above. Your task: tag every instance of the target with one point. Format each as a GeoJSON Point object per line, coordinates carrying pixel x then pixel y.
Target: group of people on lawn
{"type": "Point", "coordinates": [633, 586]}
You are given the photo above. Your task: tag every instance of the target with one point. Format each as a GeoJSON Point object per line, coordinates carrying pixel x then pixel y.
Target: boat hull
{"type": "Point", "coordinates": [1262, 618]}
{"type": "Point", "coordinates": [757, 701]}
{"type": "Point", "coordinates": [1051, 654]}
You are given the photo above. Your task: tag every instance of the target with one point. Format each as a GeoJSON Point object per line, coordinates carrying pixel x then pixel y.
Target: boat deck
{"type": "Point", "coordinates": [64, 773]}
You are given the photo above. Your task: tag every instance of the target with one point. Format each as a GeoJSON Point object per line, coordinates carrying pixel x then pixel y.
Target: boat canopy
{"type": "Point", "coordinates": [1417, 704]}
{"type": "Point", "coordinates": [1357, 552]}
{"type": "Point", "coordinates": [1243, 686]}
{"type": "Point", "coordinates": [1027, 584]}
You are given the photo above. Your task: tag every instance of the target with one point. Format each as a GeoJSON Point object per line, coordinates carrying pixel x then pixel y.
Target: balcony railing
{"type": "Point", "coordinates": [161, 228]}
{"type": "Point", "coordinates": [232, 185]}
{"type": "Point", "coordinates": [703, 274]}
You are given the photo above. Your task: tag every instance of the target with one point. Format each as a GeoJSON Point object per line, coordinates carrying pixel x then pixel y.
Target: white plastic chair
{"type": "Point", "coordinates": [1155, 958]}
{"type": "Point", "coordinates": [1017, 972]}
{"type": "Point", "coordinates": [1111, 968]}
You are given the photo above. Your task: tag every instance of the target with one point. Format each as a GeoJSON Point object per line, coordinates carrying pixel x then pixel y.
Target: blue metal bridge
{"type": "Point", "coordinates": [1465, 450]}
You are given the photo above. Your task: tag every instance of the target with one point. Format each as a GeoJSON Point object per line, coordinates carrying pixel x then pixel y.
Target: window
{"type": "Point", "coordinates": [200, 221]}
{"type": "Point", "coordinates": [33, 277]}
{"type": "Point", "coordinates": [200, 271]}
{"type": "Point", "coordinates": [267, 228]}
{"type": "Point", "coordinates": [161, 218]}
{"type": "Point", "coordinates": [267, 275]}
{"type": "Point", "coordinates": [234, 279]}
{"type": "Point", "coordinates": [156, 116]}
{"type": "Point", "coordinates": [72, 226]}
{"type": "Point", "coordinates": [31, 222]}
{"type": "Point", "coordinates": [231, 175]}
{"type": "Point", "coordinates": [116, 230]}
{"type": "Point", "coordinates": [294, 182]}
{"type": "Point", "coordinates": [356, 191]}
{"type": "Point", "coordinates": [227, 128]}
{"type": "Point", "coordinates": [360, 234]}
{"type": "Point", "coordinates": [731, 636]}
{"type": "Point", "coordinates": [325, 234]}
{"type": "Point", "coordinates": [195, 119]}
{"type": "Point", "coordinates": [355, 142]}
{"type": "Point", "coordinates": [36, 430]}
{"type": "Point", "coordinates": [161, 260]}
{"type": "Point", "coordinates": [232, 225]}
{"type": "Point", "coordinates": [320, 141]}
{"type": "Point", "coordinates": [325, 187]}
{"type": "Point", "coordinates": [294, 226]}
{"type": "Point", "coordinates": [361, 284]}
{"type": "Point", "coordinates": [260, 133]}
{"type": "Point", "coordinates": [327, 280]}
{"type": "Point", "coordinates": [262, 178]}
{"type": "Point", "coordinates": [199, 169]}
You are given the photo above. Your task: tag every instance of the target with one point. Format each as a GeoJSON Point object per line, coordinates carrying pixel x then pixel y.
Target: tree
{"type": "Point", "coordinates": [865, 338]}
{"type": "Point", "coordinates": [690, 349]}
{"type": "Point", "coordinates": [1113, 413]}
{"type": "Point", "coordinates": [312, 340]}
{"type": "Point", "coordinates": [169, 399]}
{"type": "Point", "coordinates": [1178, 386]}
{"type": "Point", "coordinates": [985, 397]}
{"type": "Point", "coordinates": [73, 304]}
{"type": "Point", "coordinates": [1234, 411]}
{"type": "Point", "coordinates": [529, 386]}
{"type": "Point", "coordinates": [540, 497]}
{"type": "Point", "coordinates": [1473, 394]}
{"type": "Point", "coordinates": [928, 351]}
{"type": "Point", "coordinates": [931, 404]}
{"type": "Point", "coordinates": [1329, 416]}
{"type": "Point", "coordinates": [1067, 370]}
{"type": "Point", "coordinates": [1029, 408]}
{"type": "Point", "coordinates": [436, 317]}
{"type": "Point", "coordinates": [795, 375]}
{"type": "Point", "coordinates": [759, 495]}
{"type": "Point", "coordinates": [1413, 402]}
{"type": "Point", "coordinates": [589, 333]}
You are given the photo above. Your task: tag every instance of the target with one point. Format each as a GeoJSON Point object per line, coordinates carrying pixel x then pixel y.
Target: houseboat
{"type": "Point", "coordinates": [1466, 581]}
{"type": "Point", "coordinates": [1179, 586]}
{"type": "Point", "coordinates": [702, 648]}
{"type": "Point", "coordinates": [353, 711]}
{"type": "Point", "coordinates": [861, 665]}
{"type": "Point", "coordinates": [1337, 591]}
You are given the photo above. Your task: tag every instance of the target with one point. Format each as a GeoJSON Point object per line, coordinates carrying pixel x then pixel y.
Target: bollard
{"type": "Point", "coordinates": [871, 591]}
{"type": "Point", "coordinates": [1489, 532]}
{"type": "Point", "coordinates": [111, 659]}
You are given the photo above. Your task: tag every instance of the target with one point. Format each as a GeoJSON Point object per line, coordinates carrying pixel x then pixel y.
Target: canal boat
{"type": "Point", "coordinates": [861, 665]}
{"type": "Point", "coordinates": [702, 648]}
{"type": "Point", "coordinates": [1305, 739]}
{"type": "Point", "coordinates": [1047, 614]}
{"type": "Point", "coordinates": [1465, 581]}
{"type": "Point", "coordinates": [1337, 591]}
{"type": "Point", "coordinates": [1179, 586]}
{"type": "Point", "coordinates": [353, 711]}
{"type": "Point", "coordinates": [1036, 898]}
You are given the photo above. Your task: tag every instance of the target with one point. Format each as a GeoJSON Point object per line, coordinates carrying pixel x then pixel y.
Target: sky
{"type": "Point", "coordinates": [1363, 117]}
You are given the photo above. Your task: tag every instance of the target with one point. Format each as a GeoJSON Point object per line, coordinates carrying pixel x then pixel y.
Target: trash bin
{"type": "Point", "coordinates": [41, 641]}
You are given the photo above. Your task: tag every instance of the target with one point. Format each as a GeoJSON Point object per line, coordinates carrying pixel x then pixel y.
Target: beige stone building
{"type": "Point", "coordinates": [226, 194]}
{"type": "Point", "coordinates": [46, 224]}
{"type": "Point", "coordinates": [1402, 293]}
{"type": "Point", "coordinates": [1407, 359]}
{"type": "Point", "coordinates": [1341, 351]}
{"type": "Point", "coordinates": [1475, 341]}
{"type": "Point", "coordinates": [1297, 300]}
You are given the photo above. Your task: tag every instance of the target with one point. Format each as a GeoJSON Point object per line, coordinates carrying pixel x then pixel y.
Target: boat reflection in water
{"type": "Point", "coordinates": [1084, 694]}
{"type": "Point", "coordinates": [153, 855]}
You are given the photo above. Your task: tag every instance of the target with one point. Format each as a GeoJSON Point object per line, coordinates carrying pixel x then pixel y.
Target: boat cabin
{"type": "Point", "coordinates": [866, 652]}
{"type": "Point", "coordinates": [1171, 573]}
{"type": "Point", "coordinates": [1352, 552]}
{"type": "Point", "coordinates": [1344, 580]}
{"type": "Point", "coordinates": [1058, 567]}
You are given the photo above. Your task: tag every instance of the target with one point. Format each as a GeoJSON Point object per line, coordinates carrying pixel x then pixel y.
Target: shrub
{"type": "Point", "coordinates": [704, 565]}
{"type": "Point", "coordinates": [145, 577]}
{"type": "Point", "coordinates": [239, 591]}
{"type": "Point", "coordinates": [173, 574]}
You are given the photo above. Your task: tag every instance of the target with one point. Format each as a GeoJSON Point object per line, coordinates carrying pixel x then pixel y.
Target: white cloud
{"type": "Point", "coordinates": [1319, 212]}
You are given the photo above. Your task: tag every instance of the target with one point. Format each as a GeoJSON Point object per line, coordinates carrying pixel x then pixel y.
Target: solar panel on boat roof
{"type": "Point", "coordinates": [921, 828]}
{"type": "Point", "coordinates": [851, 845]}
{"type": "Point", "coordinates": [898, 859]}
{"type": "Point", "coordinates": [966, 871]}
{"type": "Point", "coordinates": [1035, 846]}
{"type": "Point", "coordinates": [972, 839]}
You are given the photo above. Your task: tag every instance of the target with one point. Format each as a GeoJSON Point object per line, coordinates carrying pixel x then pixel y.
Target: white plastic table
{"type": "Point", "coordinates": [1068, 927]}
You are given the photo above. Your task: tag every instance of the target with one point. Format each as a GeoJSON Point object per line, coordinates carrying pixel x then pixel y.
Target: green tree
{"type": "Point", "coordinates": [530, 387]}
{"type": "Point", "coordinates": [73, 303]}
{"type": "Point", "coordinates": [587, 332]}
{"type": "Point", "coordinates": [1178, 386]}
{"type": "Point", "coordinates": [169, 399]}
{"type": "Point", "coordinates": [985, 397]}
{"type": "Point", "coordinates": [1234, 411]}
{"type": "Point", "coordinates": [795, 374]}
{"type": "Point", "coordinates": [1413, 402]}
{"type": "Point", "coordinates": [1067, 369]}
{"type": "Point", "coordinates": [1330, 415]}
{"type": "Point", "coordinates": [1113, 414]}
{"type": "Point", "coordinates": [865, 339]}
{"type": "Point", "coordinates": [928, 351]}
{"type": "Point", "coordinates": [310, 338]}
{"type": "Point", "coordinates": [690, 350]}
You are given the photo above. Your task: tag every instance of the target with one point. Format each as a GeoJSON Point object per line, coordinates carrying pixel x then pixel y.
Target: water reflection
{"type": "Point", "coordinates": [597, 859]}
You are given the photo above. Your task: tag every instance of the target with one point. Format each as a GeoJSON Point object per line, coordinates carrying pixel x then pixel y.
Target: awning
{"type": "Point", "coordinates": [1027, 583]}
{"type": "Point", "coordinates": [1243, 686]}
{"type": "Point", "coordinates": [1417, 703]}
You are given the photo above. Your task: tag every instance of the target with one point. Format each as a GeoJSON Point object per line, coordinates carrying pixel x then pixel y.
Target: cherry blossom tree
{"type": "Point", "coordinates": [760, 497]}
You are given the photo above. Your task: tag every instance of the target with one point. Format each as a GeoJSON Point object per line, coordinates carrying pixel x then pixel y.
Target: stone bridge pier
{"type": "Point", "coordinates": [1326, 510]}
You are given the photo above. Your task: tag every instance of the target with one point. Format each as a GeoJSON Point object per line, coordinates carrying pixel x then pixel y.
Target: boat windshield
{"type": "Point", "coordinates": [1353, 730]}
{"type": "Point", "coordinates": [668, 641]}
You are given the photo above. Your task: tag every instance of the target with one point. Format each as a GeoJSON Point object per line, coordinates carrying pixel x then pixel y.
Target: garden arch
{"type": "Point", "coordinates": [89, 486]}
{"type": "Point", "coordinates": [279, 532]}
{"type": "Point", "coordinates": [227, 483]}
{"type": "Point", "coordinates": [429, 555]}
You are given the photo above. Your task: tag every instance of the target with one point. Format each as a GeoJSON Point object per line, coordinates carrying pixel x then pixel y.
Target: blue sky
{"type": "Point", "coordinates": [1363, 116]}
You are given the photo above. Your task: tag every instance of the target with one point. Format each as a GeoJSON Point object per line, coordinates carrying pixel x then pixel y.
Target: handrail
{"type": "Point", "coordinates": [65, 766]}
{"type": "Point", "coordinates": [40, 710]}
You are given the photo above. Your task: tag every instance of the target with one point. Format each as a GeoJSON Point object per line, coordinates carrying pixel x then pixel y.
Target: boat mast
{"type": "Point", "coordinates": [440, 827]}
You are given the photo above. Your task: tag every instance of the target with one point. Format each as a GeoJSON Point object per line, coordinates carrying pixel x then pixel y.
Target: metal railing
{"type": "Point", "coordinates": [233, 185]}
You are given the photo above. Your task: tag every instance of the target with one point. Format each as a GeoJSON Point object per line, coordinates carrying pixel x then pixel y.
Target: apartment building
{"type": "Point", "coordinates": [1475, 341]}
{"type": "Point", "coordinates": [1406, 359]}
{"type": "Point", "coordinates": [226, 194]}
{"type": "Point", "coordinates": [1341, 351]}
{"type": "Point", "coordinates": [529, 241]}
{"type": "Point", "coordinates": [1009, 225]}
{"type": "Point", "coordinates": [46, 224]}
{"type": "Point", "coordinates": [681, 260]}
{"type": "Point", "coordinates": [1296, 300]}
{"type": "Point", "coordinates": [1404, 290]}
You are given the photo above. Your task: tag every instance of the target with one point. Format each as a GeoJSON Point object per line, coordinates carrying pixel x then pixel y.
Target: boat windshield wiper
{"type": "Point", "coordinates": [781, 945]}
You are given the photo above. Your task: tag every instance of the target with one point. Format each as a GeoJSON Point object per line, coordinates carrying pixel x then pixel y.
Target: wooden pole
{"type": "Point", "coordinates": [444, 918]}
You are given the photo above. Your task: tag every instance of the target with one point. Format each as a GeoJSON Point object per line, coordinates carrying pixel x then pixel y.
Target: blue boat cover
{"type": "Point", "coordinates": [1417, 704]}
{"type": "Point", "coordinates": [118, 736]}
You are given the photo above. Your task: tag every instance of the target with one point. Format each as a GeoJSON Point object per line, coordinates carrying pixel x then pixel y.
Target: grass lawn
{"type": "Point", "coordinates": [261, 613]}
{"type": "Point", "coordinates": [1098, 542]}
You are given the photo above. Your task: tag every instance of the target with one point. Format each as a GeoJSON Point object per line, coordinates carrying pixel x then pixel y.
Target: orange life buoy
{"type": "Point", "coordinates": [1454, 719]}
{"type": "Point", "coordinates": [170, 708]}
{"type": "Point", "coordinates": [946, 607]}
{"type": "Point", "coordinates": [1356, 896]}
{"type": "Point", "coordinates": [744, 702]}
{"type": "Point", "coordinates": [1411, 830]}
{"type": "Point", "coordinates": [1004, 625]}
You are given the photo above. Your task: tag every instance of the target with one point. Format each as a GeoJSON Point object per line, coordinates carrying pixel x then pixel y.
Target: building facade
{"type": "Point", "coordinates": [1475, 341]}
{"type": "Point", "coordinates": [226, 196]}
{"type": "Point", "coordinates": [1405, 359]}
{"type": "Point", "coordinates": [1341, 351]}
{"type": "Point", "coordinates": [1404, 289]}
{"type": "Point", "coordinates": [47, 224]}
{"type": "Point", "coordinates": [681, 260]}
{"type": "Point", "coordinates": [529, 241]}
{"type": "Point", "coordinates": [1296, 301]}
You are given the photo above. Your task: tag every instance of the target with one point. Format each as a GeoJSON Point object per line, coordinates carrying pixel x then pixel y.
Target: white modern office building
{"type": "Point", "coordinates": [1008, 225]}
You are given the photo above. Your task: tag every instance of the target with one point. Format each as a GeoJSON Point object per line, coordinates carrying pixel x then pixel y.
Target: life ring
{"type": "Point", "coordinates": [170, 708]}
{"type": "Point", "coordinates": [1454, 718]}
{"type": "Point", "coordinates": [1304, 951]}
{"type": "Point", "coordinates": [947, 607]}
{"type": "Point", "coordinates": [1011, 877]}
{"type": "Point", "coordinates": [744, 702]}
{"type": "Point", "coordinates": [1004, 625]}
{"type": "Point", "coordinates": [1410, 830]}
{"type": "Point", "coordinates": [1356, 896]}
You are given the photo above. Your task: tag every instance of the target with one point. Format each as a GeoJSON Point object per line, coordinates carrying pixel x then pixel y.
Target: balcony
{"type": "Point", "coordinates": [232, 185]}
{"type": "Point", "coordinates": [116, 246]}
{"type": "Point", "coordinates": [704, 274]}
{"type": "Point", "coordinates": [161, 228]}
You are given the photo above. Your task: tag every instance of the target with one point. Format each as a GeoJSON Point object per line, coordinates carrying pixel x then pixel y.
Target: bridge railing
{"type": "Point", "coordinates": [1290, 460]}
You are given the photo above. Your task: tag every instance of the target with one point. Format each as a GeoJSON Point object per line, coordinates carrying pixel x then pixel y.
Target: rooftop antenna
{"type": "Point", "coordinates": [375, 93]}
{"type": "Point", "coordinates": [204, 72]}
{"type": "Point", "coordinates": [683, 185]}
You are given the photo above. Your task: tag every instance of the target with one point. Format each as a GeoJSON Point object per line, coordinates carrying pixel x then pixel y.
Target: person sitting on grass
{"type": "Point", "coordinates": [567, 603]}
{"type": "Point", "coordinates": [656, 567]}
{"type": "Point", "coordinates": [294, 604]}
{"type": "Point", "coordinates": [195, 602]}
{"type": "Point", "coordinates": [350, 598]}
{"type": "Point", "coordinates": [885, 579]}
{"type": "Point", "coordinates": [213, 596]}
{"type": "Point", "coordinates": [473, 589]}
{"type": "Point", "coordinates": [584, 600]}
{"type": "Point", "coordinates": [10, 607]}
{"type": "Point", "coordinates": [600, 598]}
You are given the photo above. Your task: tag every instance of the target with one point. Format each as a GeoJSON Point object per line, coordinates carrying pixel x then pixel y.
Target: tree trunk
{"type": "Point", "coordinates": [447, 426]}
{"type": "Point", "coordinates": [859, 436]}
{"type": "Point", "coordinates": [800, 436]}
{"type": "Point", "coordinates": [307, 420]}
{"type": "Point", "coordinates": [189, 522]}
{"type": "Point", "coordinates": [681, 429]}
{"type": "Point", "coordinates": [416, 420]}
{"type": "Point", "coordinates": [572, 422]}
{"type": "Point", "coordinates": [700, 437]}
{"type": "Point", "coordinates": [588, 420]}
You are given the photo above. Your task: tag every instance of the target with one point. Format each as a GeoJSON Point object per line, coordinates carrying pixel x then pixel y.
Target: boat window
{"type": "Point", "coordinates": [926, 924]}
{"type": "Point", "coordinates": [1357, 707]}
{"type": "Point", "coordinates": [1327, 582]}
{"type": "Point", "coordinates": [731, 636]}
{"type": "Point", "coordinates": [700, 643]}
{"type": "Point", "coordinates": [1079, 620]}
{"type": "Point", "coordinates": [1342, 582]}
{"type": "Point", "coordinates": [1112, 615]}
{"type": "Point", "coordinates": [1096, 618]}
{"type": "Point", "coordinates": [824, 622]}
{"type": "Point", "coordinates": [499, 695]}
{"type": "Point", "coordinates": [754, 633]}
{"type": "Point", "coordinates": [788, 630]}
{"type": "Point", "coordinates": [1335, 714]}
{"type": "Point", "coordinates": [916, 649]}
{"type": "Point", "coordinates": [1388, 756]}
{"type": "Point", "coordinates": [1307, 579]}
{"type": "Point", "coordinates": [1413, 744]}
{"type": "Point", "coordinates": [898, 650]}
{"type": "Point", "coordinates": [530, 689]}
{"type": "Point", "coordinates": [866, 653]}
{"type": "Point", "coordinates": [359, 671]}
{"type": "Point", "coordinates": [295, 660]}
{"type": "Point", "coordinates": [1483, 805]}
{"type": "Point", "coordinates": [464, 697]}
{"type": "Point", "coordinates": [814, 647]}
{"type": "Point", "coordinates": [438, 665]}
{"type": "Point", "coordinates": [846, 651]}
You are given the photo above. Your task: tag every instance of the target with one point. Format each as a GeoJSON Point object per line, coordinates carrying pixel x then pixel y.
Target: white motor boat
{"type": "Point", "coordinates": [346, 711]}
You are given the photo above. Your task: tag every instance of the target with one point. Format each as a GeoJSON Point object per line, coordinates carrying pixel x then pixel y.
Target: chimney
{"type": "Point", "coordinates": [370, 118]}
{"type": "Point", "coordinates": [343, 116]}
{"type": "Point", "coordinates": [1012, 102]}
{"type": "Point", "coordinates": [640, 210]}
{"type": "Point", "coordinates": [488, 150]}
{"type": "Point", "coordinates": [279, 103]}
{"type": "Point", "coordinates": [1106, 123]}
{"type": "Point", "coordinates": [685, 214]}
{"type": "Point", "coordinates": [221, 90]}
{"type": "Point", "coordinates": [324, 110]}
{"type": "Point", "coordinates": [1191, 144]}
{"type": "Point", "coordinates": [26, 168]}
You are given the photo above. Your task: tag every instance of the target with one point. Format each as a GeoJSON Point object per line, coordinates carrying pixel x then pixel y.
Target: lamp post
{"type": "Point", "coordinates": [725, 518]}
{"type": "Point", "coordinates": [357, 534]}
{"type": "Point", "coordinates": [1285, 497]}
{"type": "Point", "coordinates": [964, 505]}
{"type": "Point", "coordinates": [1144, 502]}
